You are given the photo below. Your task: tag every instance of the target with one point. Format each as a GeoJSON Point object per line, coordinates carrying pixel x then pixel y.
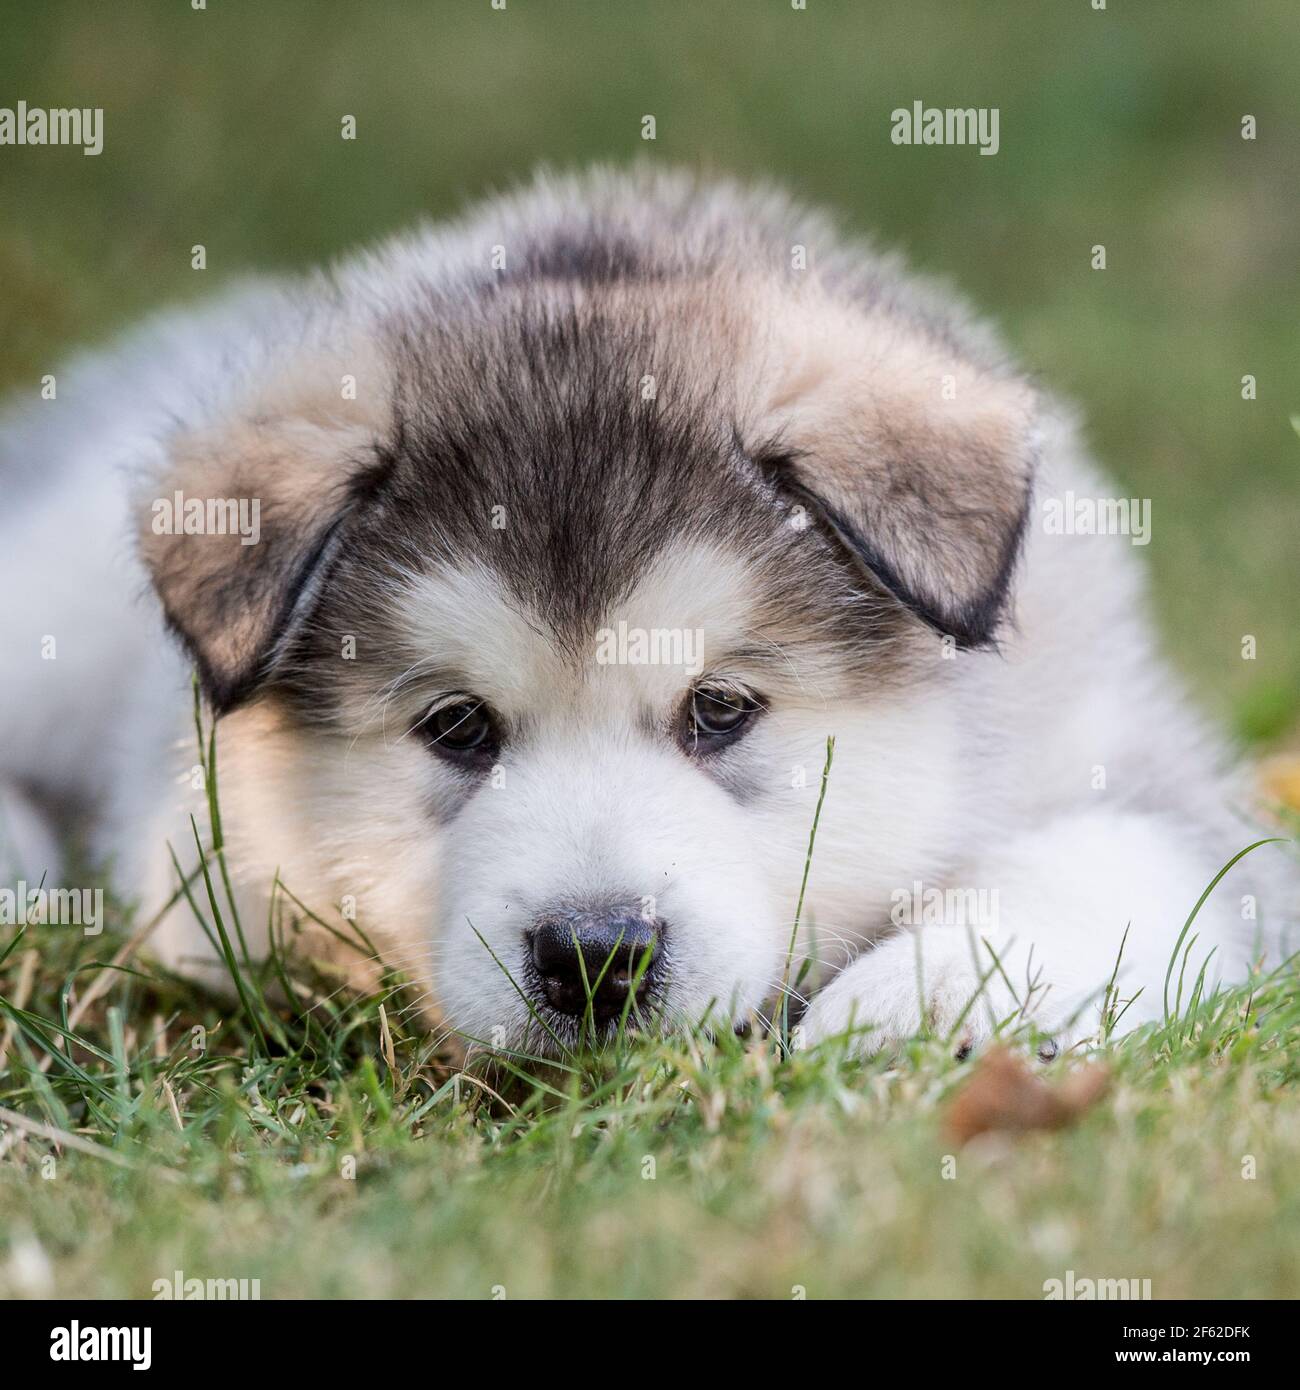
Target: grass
{"type": "Point", "coordinates": [353, 1162]}
{"type": "Point", "coordinates": [325, 1145]}
{"type": "Point", "coordinates": [134, 1146]}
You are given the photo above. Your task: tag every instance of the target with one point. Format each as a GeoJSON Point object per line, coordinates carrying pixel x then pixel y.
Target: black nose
{"type": "Point", "coordinates": [608, 944]}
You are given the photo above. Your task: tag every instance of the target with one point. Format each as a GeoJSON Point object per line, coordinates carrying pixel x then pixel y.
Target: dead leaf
{"type": "Point", "coordinates": [1005, 1093]}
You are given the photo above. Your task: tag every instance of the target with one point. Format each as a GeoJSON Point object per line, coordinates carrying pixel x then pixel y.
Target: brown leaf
{"type": "Point", "coordinates": [1004, 1093]}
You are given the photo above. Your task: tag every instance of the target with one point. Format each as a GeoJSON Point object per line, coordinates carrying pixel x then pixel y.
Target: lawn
{"type": "Point", "coordinates": [346, 1160]}
{"type": "Point", "coordinates": [352, 1165]}
{"type": "Point", "coordinates": [323, 1144]}
{"type": "Point", "coordinates": [328, 1147]}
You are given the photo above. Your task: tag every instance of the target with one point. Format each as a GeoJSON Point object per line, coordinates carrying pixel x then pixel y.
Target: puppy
{"type": "Point", "coordinates": [529, 562]}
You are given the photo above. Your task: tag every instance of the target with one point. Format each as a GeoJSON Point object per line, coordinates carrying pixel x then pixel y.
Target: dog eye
{"type": "Point", "coordinates": [716, 713]}
{"type": "Point", "coordinates": [467, 726]}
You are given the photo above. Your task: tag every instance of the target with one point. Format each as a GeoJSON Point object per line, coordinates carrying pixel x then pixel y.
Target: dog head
{"type": "Point", "coordinates": [551, 615]}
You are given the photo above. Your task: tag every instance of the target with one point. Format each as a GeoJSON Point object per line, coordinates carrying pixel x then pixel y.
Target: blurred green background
{"type": "Point", "coordinates": [1120, 127]}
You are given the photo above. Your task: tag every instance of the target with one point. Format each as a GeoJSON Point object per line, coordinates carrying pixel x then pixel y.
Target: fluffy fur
{"type": "Point", "coordinates": [619, 399]}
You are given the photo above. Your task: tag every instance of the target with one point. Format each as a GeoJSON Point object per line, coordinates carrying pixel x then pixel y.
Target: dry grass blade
{"type": "Point", "coordinates": [61, 1136]}
{"type": "Point", "coordinates": [22, 993]}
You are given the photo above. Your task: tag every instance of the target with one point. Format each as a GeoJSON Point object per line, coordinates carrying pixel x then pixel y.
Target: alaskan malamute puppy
{"type": "Point", "coordinates": [530, 561]}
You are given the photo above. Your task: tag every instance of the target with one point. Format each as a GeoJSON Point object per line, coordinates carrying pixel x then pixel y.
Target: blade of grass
{"type": "Point", "coordinates": [1200, 903]}
{"type": "Point", "coordinates": [226, 950]}
{"type": "Point", "coordinates": [209, 765]}
{"type": "Point", "coordinates": [784, 1040]}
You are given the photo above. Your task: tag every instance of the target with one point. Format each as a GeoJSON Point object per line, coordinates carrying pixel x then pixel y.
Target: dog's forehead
{"type": "Point", "coordinates": [626, 586]}
{"type": "Point", "coordinates": [691, 607]}
{"type": "Point", "coordinates": [569, 469]}
{"type": "Point", "coordinates": [564, 454]}
{"type": "Point", "coordinates": [568, 505]}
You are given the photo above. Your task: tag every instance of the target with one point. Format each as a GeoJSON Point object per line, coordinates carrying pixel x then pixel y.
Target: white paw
{"type": "Point", "coordinates": [877, 1001]}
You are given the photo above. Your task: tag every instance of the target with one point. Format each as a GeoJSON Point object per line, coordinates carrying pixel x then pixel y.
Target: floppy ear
{"type": "Point", "coordinates": [918, 459]}
{"type": "Point", "coordinates": [240, 526]}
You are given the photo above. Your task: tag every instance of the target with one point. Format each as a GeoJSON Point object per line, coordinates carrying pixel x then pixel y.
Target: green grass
{"type": "Point", "coordinates": [326, 1145]}
{"type": "Point", "coordinates": [769, 1171]}
{"type": "Point", "coordinates": [350, 1160]}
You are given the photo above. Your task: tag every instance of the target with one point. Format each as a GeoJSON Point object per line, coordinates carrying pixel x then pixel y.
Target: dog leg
{"type": "Point", "coordinates": [1062, 898]}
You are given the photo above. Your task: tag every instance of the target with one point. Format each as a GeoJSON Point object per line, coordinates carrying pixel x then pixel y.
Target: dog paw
{"type": "Point", "coordinates": [891, 994]}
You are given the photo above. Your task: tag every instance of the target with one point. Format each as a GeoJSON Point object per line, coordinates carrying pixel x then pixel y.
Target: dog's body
{"type": "Point", "coordinates": [495, 465]}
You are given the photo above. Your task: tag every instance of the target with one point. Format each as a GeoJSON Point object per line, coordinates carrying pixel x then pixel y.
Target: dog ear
{"type": "Point", "coordinates": [239, 526]}
{"type": "Point", "coordinates": [917, 458]}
